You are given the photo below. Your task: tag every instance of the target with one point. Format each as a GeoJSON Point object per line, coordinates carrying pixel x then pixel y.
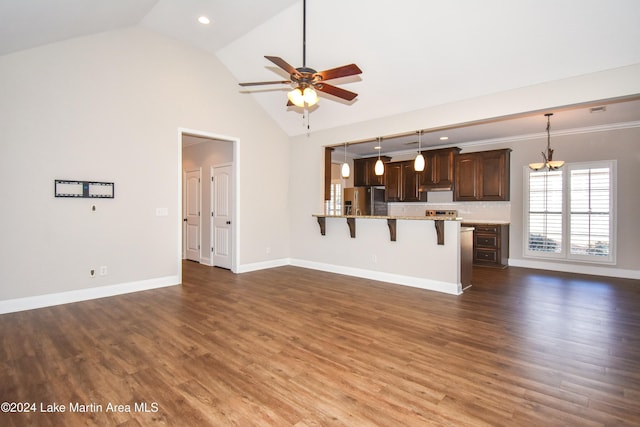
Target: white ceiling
{"type": "Point", "coordinates": [414, 53]}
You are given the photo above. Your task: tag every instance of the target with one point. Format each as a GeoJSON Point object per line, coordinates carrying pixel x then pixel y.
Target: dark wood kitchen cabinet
{"type": "Point", "coordinates": [402, 182]}
{"type": "Point", "coordinates": [439, 169]}
{"type": "Point", "coordinates": [364, 174]}
{"type": "Point", "coordinates": [482, 176]}
{"type": "Point", "coordinates": [410, 182]}
{"type": "Point", "coordinates": [490, 244]}
{"type": "Point", "coordinates": [393, 182]}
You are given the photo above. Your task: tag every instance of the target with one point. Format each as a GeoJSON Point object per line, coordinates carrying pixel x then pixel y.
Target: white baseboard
{"type": "Point", "coordinates": [415, 282]}
{"type": "Point", "coordinates": [245, 268]}
{"type": "Point", "coordinates": [206, 261]}
{"type": "Point", "coordinates": [576, 268]}
{"type": "Point", "coordinates": [39, 301]}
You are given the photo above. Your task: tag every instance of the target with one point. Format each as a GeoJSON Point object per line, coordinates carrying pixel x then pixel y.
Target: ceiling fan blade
{"type": "Point", "coordinates": [282, 64]}
{"type": "Point", "coordinates": [265, 83]}
{"type": "Point", "coordinates": [336, 91]}
{"type": "Point", "coordinates": [344, 71]}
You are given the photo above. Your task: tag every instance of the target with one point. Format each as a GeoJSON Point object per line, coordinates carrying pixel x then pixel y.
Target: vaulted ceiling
{"type": "Point", "coordinates": [414, 53]}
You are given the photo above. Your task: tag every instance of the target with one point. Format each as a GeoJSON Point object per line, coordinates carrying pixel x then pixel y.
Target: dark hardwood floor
{"type": "Point", "coordinates": [296, 347]}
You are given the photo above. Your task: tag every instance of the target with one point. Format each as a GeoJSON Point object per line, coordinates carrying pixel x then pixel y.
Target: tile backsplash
{"type": "Point", "coordinates": [469, 211]}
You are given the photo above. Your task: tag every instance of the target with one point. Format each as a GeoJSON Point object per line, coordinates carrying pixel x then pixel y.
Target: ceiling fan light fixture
{"type": "Point", "coordinates": [310, 96]}
{"type": "Point", "coordinates": [300, 97]}
{"type": "Point", "coordinates": [296, 97]}
{"type": "Point", "coordinates": [307, 80]}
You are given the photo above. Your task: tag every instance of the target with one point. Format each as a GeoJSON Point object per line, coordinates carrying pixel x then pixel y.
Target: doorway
{"type": "Point", "coordinates": [214, 157]}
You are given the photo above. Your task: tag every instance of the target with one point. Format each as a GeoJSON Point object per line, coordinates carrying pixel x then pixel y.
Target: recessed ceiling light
{"type": "Point", "coordinates": [204, 20]}
{"type": "Point", "coordinates": [444, 138]}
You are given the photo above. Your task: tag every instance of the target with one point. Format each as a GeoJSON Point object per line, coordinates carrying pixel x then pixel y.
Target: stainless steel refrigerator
{"type": "Point", "coordinates": [364, 201]}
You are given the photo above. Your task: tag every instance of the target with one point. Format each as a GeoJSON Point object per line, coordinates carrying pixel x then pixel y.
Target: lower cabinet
{"type": "Point", "coordinates": [490, 244]}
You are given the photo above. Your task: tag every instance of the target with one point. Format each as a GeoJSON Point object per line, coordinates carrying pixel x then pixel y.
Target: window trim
{"type": "Point", "coordinates": [565, 252]}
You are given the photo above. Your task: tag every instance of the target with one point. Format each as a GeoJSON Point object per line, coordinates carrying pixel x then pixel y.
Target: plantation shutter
{"type": "Point", "coordinates": [590, 212]}
{"type": "Point", "coordinates": [545, 212]}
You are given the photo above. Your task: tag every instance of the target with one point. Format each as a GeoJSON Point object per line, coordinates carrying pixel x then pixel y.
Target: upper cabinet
{"type": "Point", "coordinates": [439, 169]}
{"type": "Point", "coordinates": [364, 174]}
{"type": "Point", "coordinates": [482, 176]}
{"type": "Point", "coordinates": [402, 182]}
{"type": "Point", "coordinates": [479, 176]}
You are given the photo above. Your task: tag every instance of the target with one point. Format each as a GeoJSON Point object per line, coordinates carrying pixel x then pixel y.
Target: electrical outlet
{"type": "Point", "coordinates": [103, 270]}
{"type": "Point", "coordinates": [268, 250]}
{"type": "Point", "coordinates": [374, 258]}
{"type": "Point", "coordinates": [92, 272]}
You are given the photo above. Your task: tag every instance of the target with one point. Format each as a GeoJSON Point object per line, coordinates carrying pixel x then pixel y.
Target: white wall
{"type": "Point", "coordinates": [307, 156]}
{"type": "Point", "coordinates": [108, 108]}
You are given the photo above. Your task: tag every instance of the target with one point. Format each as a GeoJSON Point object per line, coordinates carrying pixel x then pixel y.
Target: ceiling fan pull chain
{"type": "Point", "coordinates": [306, 116]}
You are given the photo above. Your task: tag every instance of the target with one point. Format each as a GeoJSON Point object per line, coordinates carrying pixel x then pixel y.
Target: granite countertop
{"type": "Point", "coordinates": [422, 218]}
{"type": "Point", "coordinates": [485, 221]}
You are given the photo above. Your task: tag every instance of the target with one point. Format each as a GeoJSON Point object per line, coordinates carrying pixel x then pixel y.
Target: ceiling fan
{"type": "Point", "coordinates": [307, 80]}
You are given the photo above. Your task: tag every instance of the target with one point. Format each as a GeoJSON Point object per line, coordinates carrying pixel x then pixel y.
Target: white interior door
{"type": "Point", "coordinates": [192, 215]}
{"type": "Point", "coordinates": [222, 216]}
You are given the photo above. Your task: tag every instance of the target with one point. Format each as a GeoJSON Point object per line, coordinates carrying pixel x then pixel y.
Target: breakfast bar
{"type": "Point", "coordinates": [438, 222]}
{"type": "Point", "coordinates": [420, 251]}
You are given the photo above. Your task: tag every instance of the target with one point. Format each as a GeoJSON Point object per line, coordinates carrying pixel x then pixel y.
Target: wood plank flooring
{"type": "Point", "coordinates": [296, 347]}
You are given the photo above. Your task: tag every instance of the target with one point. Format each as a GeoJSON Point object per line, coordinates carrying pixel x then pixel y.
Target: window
{"type": "Point", "coordinates": [335, 202]}
{"type": "Point", "coordinates": [545, 212]}
{"type": "Point", "coordinates": [570, 212]}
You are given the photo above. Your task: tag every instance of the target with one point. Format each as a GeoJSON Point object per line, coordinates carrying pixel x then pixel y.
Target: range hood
{"type": "Point", "coordinates": [436, 187]}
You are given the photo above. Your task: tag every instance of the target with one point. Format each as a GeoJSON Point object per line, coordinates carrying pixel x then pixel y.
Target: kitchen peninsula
{"type": "Point", "coordinates": [419, 251]}
{"type": "Point", "coordinates": [391, 223]}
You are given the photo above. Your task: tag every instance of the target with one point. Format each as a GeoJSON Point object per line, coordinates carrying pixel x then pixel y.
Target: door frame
{"type": "Point", "coordinates": [235, 228]}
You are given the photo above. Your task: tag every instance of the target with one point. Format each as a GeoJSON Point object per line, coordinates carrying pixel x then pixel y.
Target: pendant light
{"type": "Point", "coordinates": [346, 171]}
{"type": "Point", "coordinates": [418, 163]}
{"type": "Point", "coordinates": [547, 158]}
{"type": "Point", "coordinates": [379, 166]}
